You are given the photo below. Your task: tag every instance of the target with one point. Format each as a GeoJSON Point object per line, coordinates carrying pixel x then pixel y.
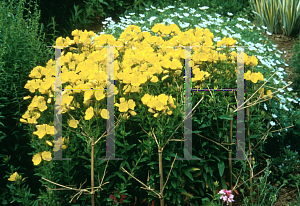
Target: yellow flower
{"type": "Point", "coordinates": [154, 79]}
{"type": "Point", "coordinates": [46, 155]}
{"type": "Point", "coordinates": [14, 177]}
{"type": "Point", "coordinates": [104, 113]}
{"type": "Point", "coordinates": [89, 113]}
{"type": "Point", "coordinates": [37, 159]}
{"type": "Point", "coordinates": [41, 131]}
{"type": "Point", "coordinates": [73, 123]}
{"type": "Point", "coordinates": [269, 94]}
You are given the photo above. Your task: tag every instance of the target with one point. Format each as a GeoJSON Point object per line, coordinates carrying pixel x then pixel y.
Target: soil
{"type": "Point", "coordinates": [286, 195]}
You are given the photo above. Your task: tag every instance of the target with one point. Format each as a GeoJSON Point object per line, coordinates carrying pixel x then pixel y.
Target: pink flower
{"type": "Point", "coordinates": [226, 196]}
{"type": "Point", "coordinates": [111, 196]}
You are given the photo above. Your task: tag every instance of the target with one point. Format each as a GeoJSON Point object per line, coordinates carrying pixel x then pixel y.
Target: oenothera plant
{"type": "Point", "coordinates": [148, 73]}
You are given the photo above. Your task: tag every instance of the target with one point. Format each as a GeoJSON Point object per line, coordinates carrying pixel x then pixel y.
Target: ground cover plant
{"type": "Point", "coordinates": [189, 182]}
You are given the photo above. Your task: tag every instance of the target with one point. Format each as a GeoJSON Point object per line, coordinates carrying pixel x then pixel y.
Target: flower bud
{"type": "Point", "coordinates": [27, 97]}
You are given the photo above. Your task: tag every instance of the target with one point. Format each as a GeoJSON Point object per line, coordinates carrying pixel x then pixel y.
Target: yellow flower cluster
{"type": "Point", "coordinates": [15, 177]}
{"type": "Point", "coordinates": [37, 158]}
{"type": "Point", "coordinates": [254, 77]}
{"type": "Point", "coordinates": [268, 93]}
{"type": "Point", "coordinates": [144, 57]}
{"type": "Point", "coordinates": [159, 103]}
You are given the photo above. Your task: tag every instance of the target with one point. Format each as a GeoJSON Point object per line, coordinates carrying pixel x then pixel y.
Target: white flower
{"type": "Point", "coordinates": [160, 10]}
{"type": "Point", "coordinates": [265, 106]}
{"type": "Point", "coordinates": [142, 15]}
{"type": "Point", "coordinates": [152, 18]}
{"type": "Point", "coordinates": [147, 9]}
{"type": "Point", "coordinates": [263, 27]}
{"type": "Point", "coordinates": [286, 64]}
{"type": "Point", "coordinates": [275, 81]}
{"type": "Point", "coordinates": [290, 89]}
{"type": "Point", "coordinates": [185, 14]}
{"type": "Point", "coordinates": [204, 7]}
{"type": "Point", "coordinates": [197, 15]}
{"type": "Point", "coordinates": [274, 115]}
{"type": "Point", "coordinates": [217, 31]}
{"type": "Point", "coordinates": [192, 10]}
{"type": "Point", "coordinates": [272, 123]}
{"type": "Point", "coordinates": [185, 7]}
{"type": "Point", "coordinates": [229, 14]}
{"type": "Point", "coordinates": [153, 7]}
{"type": "Point", "coordinates": [281, 69]}
{"type": "Point", "coordinates": [127, 17]}
{"type": "Point", "coordinates": [131, 13]}
{"type": "Point", "coordinates": [104, 22]}
{"type": "Point", "coordinates": [269, 33]}
{"type": "Point", "coordinates": [108, 19]}
{"type": "Point", "coordinates": [171, 7]}
{"type": "Point", "coordinates": [285, 108]}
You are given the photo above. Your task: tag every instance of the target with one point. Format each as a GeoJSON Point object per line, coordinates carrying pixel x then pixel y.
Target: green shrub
{"type": "Point", "coordinates": [22, 47]}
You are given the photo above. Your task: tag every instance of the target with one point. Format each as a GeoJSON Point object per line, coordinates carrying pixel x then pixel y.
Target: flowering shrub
{"type": "Point", "coordinates": [148, 74]}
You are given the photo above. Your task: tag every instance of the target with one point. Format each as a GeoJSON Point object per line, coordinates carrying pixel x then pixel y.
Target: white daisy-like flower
{"type": "Point", "coordinates": [171, 7]}
{"type": "Point", "coordinates": [265, 106]}
{"type": "Point", "coordinates": [263, 27]}
{"type": "Point", "coordinates": [269, 33]}
{"type": "Point", "coordinates": [192, 10]}
{"type": "Point", "coordinates": [185, 7]}
{"type": "Point", "coordinates": [152, 18]}
{"type": "Point", "coordinates": [108, 19]}
{"type": "Point", "coordinates": [280, 51]}
{"type": "Point", "coordinates": [127, 17]}
{"type": "Point", "coordinates": [285, 108]}
{"type": "Point", "coordinates": [289, 99]}
{"type": "Point", "coordinates": [272, 123]}
{"type": "Point", "coordinates": [184, 25]}
{"type": "Point", "coordinates": [280, 69]}
{"type": "Point", "coordinates": [270, 49]}
{"type": "Point", "coordinates": [278, 62]}
{"type": "Point", "coordinates": [131, 13]}
{"type": "Point", "coordinates": [286, 64]}
{"type": "Point", "coordinates": [142, 15]}
{"type": "Point", "coordinates": [160, 10]}
{"type": "Point", "coordinates": [153, 7]}
{"type": "Point", "coordinates": [274, 115]}
{"type": "Point", "coordinates": [204, 7]}
{"type": "Point", "coordinates": [197, 15]}
{"type": "Point", "coordinates": [181, 9]}
{"type": "Point", "coordinates": [230, 14]}
{"type": "Point", "coordinates": [186, 14]}
{"type": "Point", "coordinates": [217, 31]}
{"type": "Point", "coordinates": [275, 81]}
{"type": "Point", "coordinates": [147, 9]}
{"type": "Point", "coordinates": [290, 89]}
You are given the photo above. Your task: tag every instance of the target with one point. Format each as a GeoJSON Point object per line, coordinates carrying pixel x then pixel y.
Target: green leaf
{"type": "Point", "coordinates": [188, 174]}
{"type": "Point", "coordinates": [226, 116]}
{"type": "Point", "coordinates": [221, 167]}
{"type": "Point", "coordinates": [174, 184]}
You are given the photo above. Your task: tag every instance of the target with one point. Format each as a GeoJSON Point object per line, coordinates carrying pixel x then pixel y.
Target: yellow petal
{"type": "Point", "coordinates": [46, 155]}
{"type": "Point", "coordinates": [37, 159]}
